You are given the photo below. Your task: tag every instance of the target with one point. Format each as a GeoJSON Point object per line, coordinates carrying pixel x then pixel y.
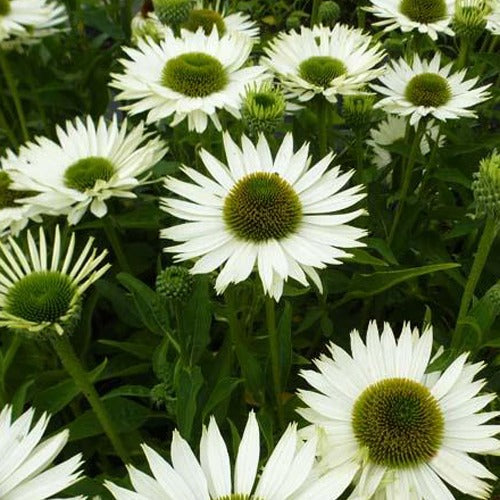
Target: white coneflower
{"type": "Point", "coordinates": [393, 129]}
{"type": "Point", "coordinates": [410, 431]}
{"type": "Point", "coordinates": [86, 166]}
{"type": "Point", "coordinates": [25, 468]}
{"type": "Point", "coordinates": [324, 61]}
{"type": "Point", "coordinates": [427, 89]}
{"type": "Point", "coordinates": [285, 476]}
{"type": "Point", "coordinates": [192, 77]}
{"type": "Point", "coordinates": [42, 294]}
{"type": "Point", "coordinates": [493, 18]}
{"type": "Point", "coordinates": [426, 16]}
{"type": "Point", "coordinates": [26, 21]}
{"type": "Point", "coordinates": [277, 215]}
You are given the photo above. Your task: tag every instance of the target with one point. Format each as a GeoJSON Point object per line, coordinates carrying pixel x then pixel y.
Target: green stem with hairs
{"type": "Point", "coordinates": [463, 53]}
{"type": "Point", "coordinates": [322, 115]}
{"type": "Point", "coordinates": [315, 12]}
{"type": "Point", "coordinates": [274, 347]}
{"type": "Point", "coordinates": [116, 244]}
{"type": "Point", "coordinates": [407, 178]}
{"type": "Point", "coordinates": [11, 84]}
{"type": "Point", "coordinates": [487, 238]}
{"type": "Point", "coordinates": [73, 366]}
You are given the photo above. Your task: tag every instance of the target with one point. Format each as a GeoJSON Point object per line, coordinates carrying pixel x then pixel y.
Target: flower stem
{"type": "Point", "coordinates": [275, 355]}
{"type": "Point", "coordinates": [116, 244]}
{"type": "Point", "coordinates": [463, 53]}
{"type": "Point", "coordinates": [483, 249]}
{"type": "Point", "coordinates": [407, 178]}
{"type": "Point", "coordinates": [6, 362]}
{"type": "Point", "coordinates": [9, 78]}
{"type": "Point", "coordinates": [73, 366]}
{"type": "Point", "coordinates": [315, 12]}
{"type": "Point", "coordinates": [322, 112]}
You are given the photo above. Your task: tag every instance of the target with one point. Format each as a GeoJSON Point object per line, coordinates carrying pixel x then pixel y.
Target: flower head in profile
{"type": "Point", "coordinates": [426, 16]}
{"type": "Point", "coordinates": [88, 165]}
{"type": "Point", "coordinates": [26, 21]}
{"type": "Point", "coordinates": [274, 214]}
{"type": "Point", "coordinates": [41, 291]}
{"type": "Point", "coordinates": [25, 468]}
{"type": "Point", "coordinates": [193, 77]}
{"type": "Point", "coordinates": [409, 430]}
{"type": "Point", "coordinates": [324, 61]}
{"type": "Point", "coordinates": [425, 89]}
{"type": "Point", "coordinates": [285, 476]}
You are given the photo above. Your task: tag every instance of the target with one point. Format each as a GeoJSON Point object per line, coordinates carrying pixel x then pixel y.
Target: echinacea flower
{"type": "Point", "coordinates": [277, 215]}
{"type": "Point", "coordinates": [409, 430]}
{"type": "Point", "coordinates": [424, 88]}
{"type": "Point", "coordinates": [88, 165]}
{"type": "Point", "coordinates": [493, 18]}
{"type": "Point", "coordinates": [194, 77]}
{"type": "Point", "coordinates": [42, 293]}
{"type": "Point", "coordinates": [25, 468]}
{"type": "Point", "coordinates": [285, 475]}
{"type": "Point", "coordinates": [324, 61]}
{"type": "Point", "coordinates": [26, 21]}
{"type": "Point", "coordinates": [426, 16]}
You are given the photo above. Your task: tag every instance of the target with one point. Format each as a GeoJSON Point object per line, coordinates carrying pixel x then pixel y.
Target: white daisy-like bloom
{"type": "Point", "coordinates": [324, 61]}
{"type": "Point", "coordinates": [276, 215]}
{"type": "Point", "coordinates": [41, 294]}
{"type": "Point", "coordinates": [493, 18]}
{"type": "Point", "coordinates": [393, 129]}
{"type": "Point", "coordinates": [426, 16]}
{"type": "Point", "coordinates": [410, 431]}
{"type": "Point", "coordinates": [25, 468]}
{"type": "Point", "coordinates": [13, 216]}
{"type": "Point", "coordinates": [215, 15]}
{"type": "Point", "coordinates": [191, 77]}
{"type": "Point", "coordinates": [27, 21]}
{"type": "Point", "coordinates": [425, 89]}
{"type": "Point", "coordinates": [87, 166]}
{"type": "Point", "coordinates": [285, 475]}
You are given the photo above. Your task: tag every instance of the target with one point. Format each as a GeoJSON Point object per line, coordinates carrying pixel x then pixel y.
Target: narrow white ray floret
{"type": "Point", "coordinates": [41, 290]}
{"type": "Point", "coordinates": [276, 215]}
{"type": "Point", "coordinates": [425, 89]}
{"type": "Point", "coordinates": [85, 167]}
{"type": "Point", "coordinates": [192, 77]}
{"type": "Point", "coordinates": [286, 475]}
{"type": "Point", "coordinates": [324, 61]}
{"type": "Point", "coordinates": [410, 430]}
{"type": "Point", "coordinates": [25, 468]}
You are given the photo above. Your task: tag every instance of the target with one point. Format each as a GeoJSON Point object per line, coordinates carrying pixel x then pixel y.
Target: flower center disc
{"type": "Point", "coordinates": [428, 89]}
{"type": "Point", "coordinates": [399, 422]}
{"type": "Point", "coordinates": [423, 11]}
{"type": "Point", "coordinates": [4, 7]}
{"type": "Point", "coordinates": [194, 74]}
{"type": "Point", "coordinates": [42, 296]}
{"type": "Point", "coordinates": [265, 100]}
{"type": "Point", "coordinates": [206, 19]}
{"type": "Point", "coordinates": [83, 174]}
{"type": "Point", "coordinates": [8, 196]}
{"type": "Point", "coordinates": [321, 70]}
{"type": "Point", "coordinates": [262, 206]}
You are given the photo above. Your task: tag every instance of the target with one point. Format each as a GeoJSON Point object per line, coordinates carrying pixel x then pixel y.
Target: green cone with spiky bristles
{"type": "Point", "coordinates": [486, 187]}
{"type": "Point", "coordinates": [173, 12]}
{"type": "Point", "coordinates": [329, 13]}
{"type": "Point", "coordinates": [263, 109]}
{"type": "Point", "coordinates": [175, 283]}
{"type": "Point", "coordinates": [470, 20]}
{"type": "Point", "coordinates": [357, 110]}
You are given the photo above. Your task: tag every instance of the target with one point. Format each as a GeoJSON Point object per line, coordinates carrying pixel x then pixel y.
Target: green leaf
{"type": "Point", "coordinates": [136, 391]}
{"type": "Point", "coordinates": [19, 398]}
{"type": "Point", "coordinates": [188, 383]}
{"type": "Point", "coordinates": [284, 331]}
{"type": "Point", "coordinates": [222, 391]}
{"type": "Point", "coordinates": [141, 351]}
{"type": "Point", "coordinates": [366, 285]}
{"type": "Point", "coordinates": [121, 303]}
{"type": "Point", "coordinates": [126, 416]}
{"type": "Point", "coordinates": [55, 398]}
{"type": "Point", "coordinates": [363, 257]}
